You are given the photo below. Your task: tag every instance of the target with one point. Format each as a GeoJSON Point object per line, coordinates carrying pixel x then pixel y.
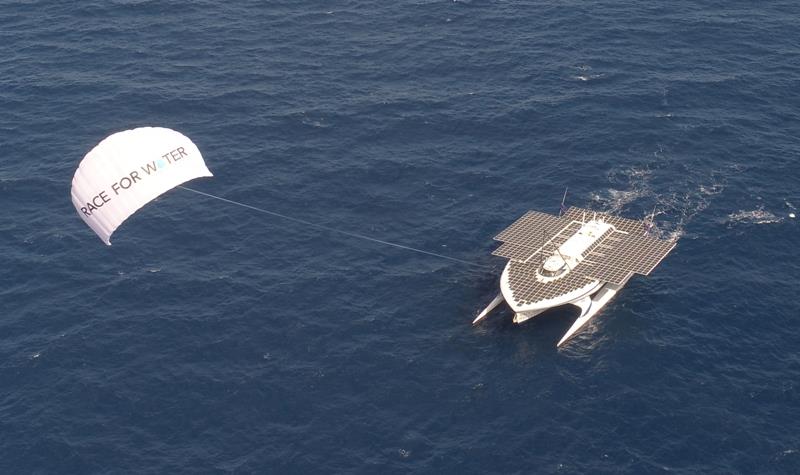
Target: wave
{"type": "Point", "coordinates": [652, 188]}
{"type": "Point", "coordinates": [756, 216]}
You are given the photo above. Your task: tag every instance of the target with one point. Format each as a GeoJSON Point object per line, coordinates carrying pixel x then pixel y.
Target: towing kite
{"type": "Point", "coordinates": [129, 169]}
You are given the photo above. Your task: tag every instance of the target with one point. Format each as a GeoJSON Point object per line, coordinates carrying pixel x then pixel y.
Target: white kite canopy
{"type": "Point", "coordinates": [128, 170]}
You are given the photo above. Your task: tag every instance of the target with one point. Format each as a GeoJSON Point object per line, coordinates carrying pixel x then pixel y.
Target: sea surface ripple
{"type": "Point", "coordinates": [212, 339]}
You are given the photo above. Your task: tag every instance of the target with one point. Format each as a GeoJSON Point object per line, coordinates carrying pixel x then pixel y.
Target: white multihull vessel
{"type": "Point", "coordinates": [582, 258]}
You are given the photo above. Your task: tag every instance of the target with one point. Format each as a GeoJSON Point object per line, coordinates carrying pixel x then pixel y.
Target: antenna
{"type": "Point", "coordinates": [562, 209]}
{"type": "Point", "coordinates": [563, 259]}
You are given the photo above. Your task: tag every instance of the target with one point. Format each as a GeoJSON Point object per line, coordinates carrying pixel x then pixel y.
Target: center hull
{"type": "Point", "coordinates": [524, 311]}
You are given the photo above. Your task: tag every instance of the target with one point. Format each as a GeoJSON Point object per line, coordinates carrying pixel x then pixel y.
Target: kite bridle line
{"type": "Point", "coordinates": [334, 230]}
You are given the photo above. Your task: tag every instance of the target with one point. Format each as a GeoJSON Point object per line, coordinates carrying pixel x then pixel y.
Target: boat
{"type": "Point", "coordinates": [580, 257]}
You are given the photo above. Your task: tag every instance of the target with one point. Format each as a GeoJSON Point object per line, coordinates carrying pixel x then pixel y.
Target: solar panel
{"type": "Point", "coordinates": [527, 289]}
{"type": "Point", "coordinates": [638, 254]}
{"type": "Point", "coordinates": [599, 242]}
{"type": "Point", "coordinates": [612, 275]}
{"type": "Point", "coordinates": [530, 228]}
{"type": "Point", "coordinates": [514, 252]}
{"type": "Point", "coordinates": [625, 225]}
{"type": "Point", "coordinates": [576, 214]}
{"type": "Point", "coordinates": [565, 233]}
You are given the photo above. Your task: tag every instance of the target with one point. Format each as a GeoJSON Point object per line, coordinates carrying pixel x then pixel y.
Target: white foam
{"type": "Point", "coordinates": [588, 77]}
{"type": "Point", "coordinates": [713, 189]}
{"type": "Point", "coordinates": [643, 186]}
{"type": "Point", "coordinates": [613, 200]}
{"type": "Point", "coordinates": [756, 216]}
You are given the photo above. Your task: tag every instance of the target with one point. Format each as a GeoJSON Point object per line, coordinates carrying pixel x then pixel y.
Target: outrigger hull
{"type": "Point", "coordinates": [590, 307]}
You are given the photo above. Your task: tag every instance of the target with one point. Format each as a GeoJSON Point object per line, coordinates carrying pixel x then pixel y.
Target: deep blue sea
{"type": "Point", "coordinates": [211, 338]}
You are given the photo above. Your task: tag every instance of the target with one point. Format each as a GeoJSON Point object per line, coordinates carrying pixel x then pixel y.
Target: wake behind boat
{"type": "Point", "coordinates": [581, 258]}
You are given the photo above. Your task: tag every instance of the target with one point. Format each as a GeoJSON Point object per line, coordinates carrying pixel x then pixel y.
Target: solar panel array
{"type": "Point", "coordinates": [526, 289]}
{"type": "Point", "coordinates": [599, 242]}
{"type": "Point", "coordinates": [577, 214]}
{"type": "Point", "coordinates": [564, 234]}
{"type": "Point", "coordinates": [527, 235]}
{"type": "Point", "coordinates": [624, 225]}
{"type": "Point", "coordinates": [612, 258]}
{"type": "Point", "coordinates": [611, 275]}
{"type": "Point", "coordinates": [640, 254]}
{"type": "Point", "coordinates": [529, 228]}
{"type": "Point", "coordinates": [514, 252]}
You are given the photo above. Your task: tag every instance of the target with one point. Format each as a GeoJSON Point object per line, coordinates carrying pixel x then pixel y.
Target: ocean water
{"type": "Point", "coordinates": [213, 339]}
